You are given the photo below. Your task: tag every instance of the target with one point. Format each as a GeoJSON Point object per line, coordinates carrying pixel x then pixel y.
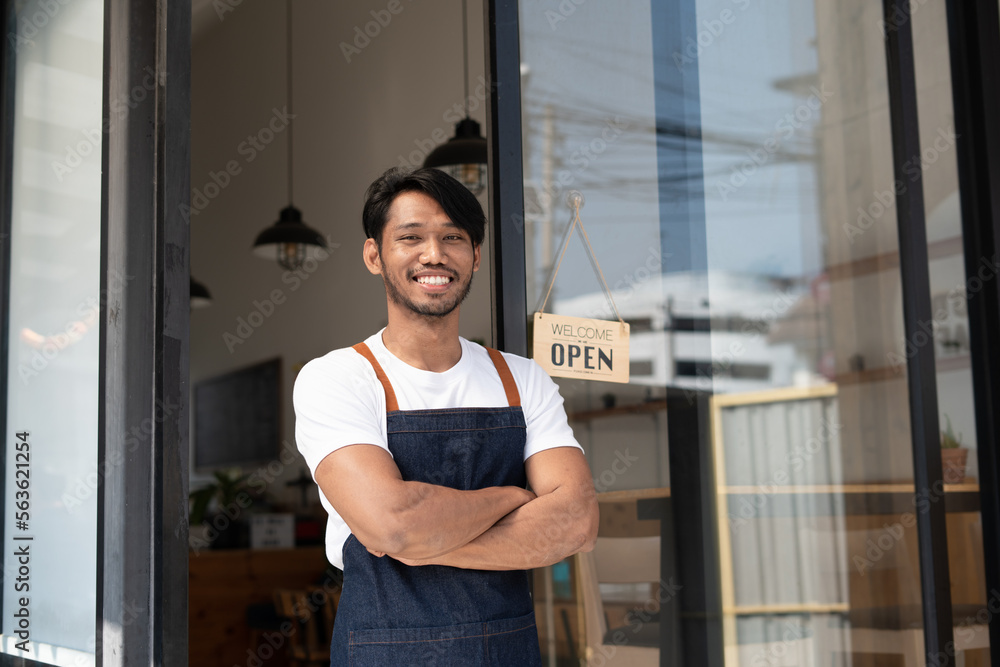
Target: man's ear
{"type": "Point", "coordinates": [371, 257]}
{"type": "Point", "coordinates": [476, 256]}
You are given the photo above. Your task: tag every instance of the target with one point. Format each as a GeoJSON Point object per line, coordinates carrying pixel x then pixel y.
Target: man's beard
{"type": "Point", "coordinates": [439, 306]}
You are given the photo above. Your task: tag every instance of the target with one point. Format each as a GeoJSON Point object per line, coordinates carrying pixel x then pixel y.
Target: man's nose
{"type": "Point", "coordinates": [433, 252]}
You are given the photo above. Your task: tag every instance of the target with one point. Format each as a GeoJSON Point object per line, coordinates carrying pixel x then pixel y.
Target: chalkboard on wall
{"type": "Point", "coordinates": [237, 417]}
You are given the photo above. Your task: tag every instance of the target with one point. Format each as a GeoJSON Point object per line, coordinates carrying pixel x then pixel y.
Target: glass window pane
{"type": "Point", "coordinates": [52, 383]}
{"type": "Point", "coordinates": [736, 161]}
{"type": "Point", "coordinates": [590, 124]}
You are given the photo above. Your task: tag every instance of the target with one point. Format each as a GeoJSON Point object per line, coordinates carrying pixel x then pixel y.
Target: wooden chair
{"type": "Point", "coordinates": [311, 612]}
{"type": "Point", "coordinates": [623, 560]}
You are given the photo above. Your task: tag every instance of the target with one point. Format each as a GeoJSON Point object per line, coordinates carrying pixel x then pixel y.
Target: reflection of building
{"type": "Point", "coordinates": [682, 337]}
{"type": "Point", "coordinates": [778, 152]}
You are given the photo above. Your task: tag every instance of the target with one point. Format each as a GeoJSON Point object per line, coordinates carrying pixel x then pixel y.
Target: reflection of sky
{"type": "Point", "coordinates": [770, 223]}
{"type": "Point", "coordinates": [597, 64]}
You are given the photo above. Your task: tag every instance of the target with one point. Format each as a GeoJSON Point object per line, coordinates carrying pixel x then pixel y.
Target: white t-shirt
{"type": "Point", "coordinates": [339, 402]}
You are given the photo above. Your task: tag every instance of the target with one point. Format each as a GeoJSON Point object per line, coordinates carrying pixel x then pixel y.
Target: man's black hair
{"type": "Point", "coordinates": [460, 205]}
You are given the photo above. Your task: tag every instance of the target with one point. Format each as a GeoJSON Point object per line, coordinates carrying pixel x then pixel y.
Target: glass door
{"type": "Point", "coordinates": [93, 332]}
{"type": "Point", "coordinates": [756, 474]}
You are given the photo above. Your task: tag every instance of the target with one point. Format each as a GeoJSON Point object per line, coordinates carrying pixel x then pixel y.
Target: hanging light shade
{"type": "Point", "coordinates": [200, 298]}
{"type": "Point", "coordinates": [289, 241]}
{"type": "Point", "coordinates": [464, 155]}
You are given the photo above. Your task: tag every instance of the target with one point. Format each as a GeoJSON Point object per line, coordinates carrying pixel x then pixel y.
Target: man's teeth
{"type": "Point", "coordinates": [433, 280]}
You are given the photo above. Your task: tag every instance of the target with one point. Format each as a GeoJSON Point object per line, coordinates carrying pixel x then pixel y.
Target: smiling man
{"type": "Point", "coordinates": [448, 469]}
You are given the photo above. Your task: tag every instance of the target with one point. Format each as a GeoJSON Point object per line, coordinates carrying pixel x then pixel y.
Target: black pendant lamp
{"type": "Point", "coordinates": [200, 298]}
{"type": "Point", "coordinates": [290, 240]}
{"type": "Point", "coordinates": [464, 155]}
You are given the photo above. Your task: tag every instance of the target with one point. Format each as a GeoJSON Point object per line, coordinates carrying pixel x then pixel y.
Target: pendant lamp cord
{"type": "Point", "coordinates": [288, 86]}
{"type": "Point", "coordinates": [465, 52]}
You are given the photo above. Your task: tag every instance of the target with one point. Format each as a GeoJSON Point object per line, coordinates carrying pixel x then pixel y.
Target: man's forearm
{"type": "Point", "coordinates": [539, 533]}
{"type": "Point", "coordinates": [433, 520]}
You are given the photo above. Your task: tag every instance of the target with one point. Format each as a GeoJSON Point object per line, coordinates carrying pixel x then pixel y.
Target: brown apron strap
{"type": "Point", "coordinates": [391, 405]}
{"type": "Point", "coordinates": [513, 397]}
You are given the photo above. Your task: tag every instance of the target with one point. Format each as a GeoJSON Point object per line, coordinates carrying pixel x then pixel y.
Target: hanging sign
{"type": "Point", "coordinates": [577, 347]}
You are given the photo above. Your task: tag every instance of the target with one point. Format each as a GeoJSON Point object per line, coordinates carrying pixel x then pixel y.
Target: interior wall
{"type": "Point", "coordinates": [375, 84]}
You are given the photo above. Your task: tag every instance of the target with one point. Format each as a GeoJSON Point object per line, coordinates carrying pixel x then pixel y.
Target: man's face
{"type": "Point", "coordinates": [425, 260]}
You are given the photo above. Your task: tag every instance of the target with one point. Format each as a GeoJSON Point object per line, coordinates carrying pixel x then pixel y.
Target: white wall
{"type": "Point", "coordinates": [352, 121]}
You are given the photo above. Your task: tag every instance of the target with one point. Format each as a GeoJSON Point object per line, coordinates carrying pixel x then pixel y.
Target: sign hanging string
{"type": "Point", "coordinates": [575, 201]}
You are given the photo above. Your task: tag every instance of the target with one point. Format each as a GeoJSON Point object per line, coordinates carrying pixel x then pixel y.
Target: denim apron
{"type": "Point", "coordinates": [393, 614]}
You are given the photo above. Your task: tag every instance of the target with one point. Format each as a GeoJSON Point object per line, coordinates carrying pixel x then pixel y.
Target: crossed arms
{"type": "Point", "coordinates": [496, 528]}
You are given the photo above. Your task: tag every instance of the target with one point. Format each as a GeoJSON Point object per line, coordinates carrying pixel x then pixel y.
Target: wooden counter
{"type": "Point", "coordinates": [224, 583]}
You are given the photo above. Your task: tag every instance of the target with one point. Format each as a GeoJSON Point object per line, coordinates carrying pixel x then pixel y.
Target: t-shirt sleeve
{"type": "Point", "coordinates": [543, 408]}
{"type": "Point", "coordinates": [337, 402]}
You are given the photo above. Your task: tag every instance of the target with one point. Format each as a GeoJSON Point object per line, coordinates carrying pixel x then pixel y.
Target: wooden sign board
{"type": "Point", "coordinates": [577, 347]}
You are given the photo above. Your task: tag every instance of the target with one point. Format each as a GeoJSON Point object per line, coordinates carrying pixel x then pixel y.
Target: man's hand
{"type": "Point", "coordinates": [413, 562]}
{"type": "Point", "coordinates": [409, 519]}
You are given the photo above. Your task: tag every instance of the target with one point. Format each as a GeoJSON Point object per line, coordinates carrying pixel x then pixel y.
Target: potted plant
{"type": "Point", "coordinates": [953, 455]}
{"type": "Point", "coordinates": [230, 497]}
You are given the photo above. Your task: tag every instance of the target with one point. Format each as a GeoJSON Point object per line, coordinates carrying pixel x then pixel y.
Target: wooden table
{"type": "Point", "coordinates": [225, 582]}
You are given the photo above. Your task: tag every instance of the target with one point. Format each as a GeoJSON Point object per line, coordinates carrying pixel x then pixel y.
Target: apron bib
{"type": "Point", "coordinates": [393, 614]}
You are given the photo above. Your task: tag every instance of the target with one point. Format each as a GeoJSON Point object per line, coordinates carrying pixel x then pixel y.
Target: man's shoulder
{"type": "Point", "coordinates": [522, 366]}
{"type": "Point", "coordinates": [338, 366]}
{"type": "Point", "coordinates": [529, 377]}
{"type": "Point", "coordinates": [336, 359]}
{"type": "Point", "coordinates": [516, 362]}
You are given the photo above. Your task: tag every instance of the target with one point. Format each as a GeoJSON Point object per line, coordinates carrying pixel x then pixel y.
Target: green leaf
{"type": "Point", "coordinates": [200, 500]}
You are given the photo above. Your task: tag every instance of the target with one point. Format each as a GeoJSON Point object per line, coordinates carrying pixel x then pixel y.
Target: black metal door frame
{"type": "Point", "coordinates": [142, 615]}
{"type": "Point", "coordinates": [921, 372]}
{"type": "Point", "coordinates": [974, 44]}
{"type": "Point", "coordinates": [506, 177]}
